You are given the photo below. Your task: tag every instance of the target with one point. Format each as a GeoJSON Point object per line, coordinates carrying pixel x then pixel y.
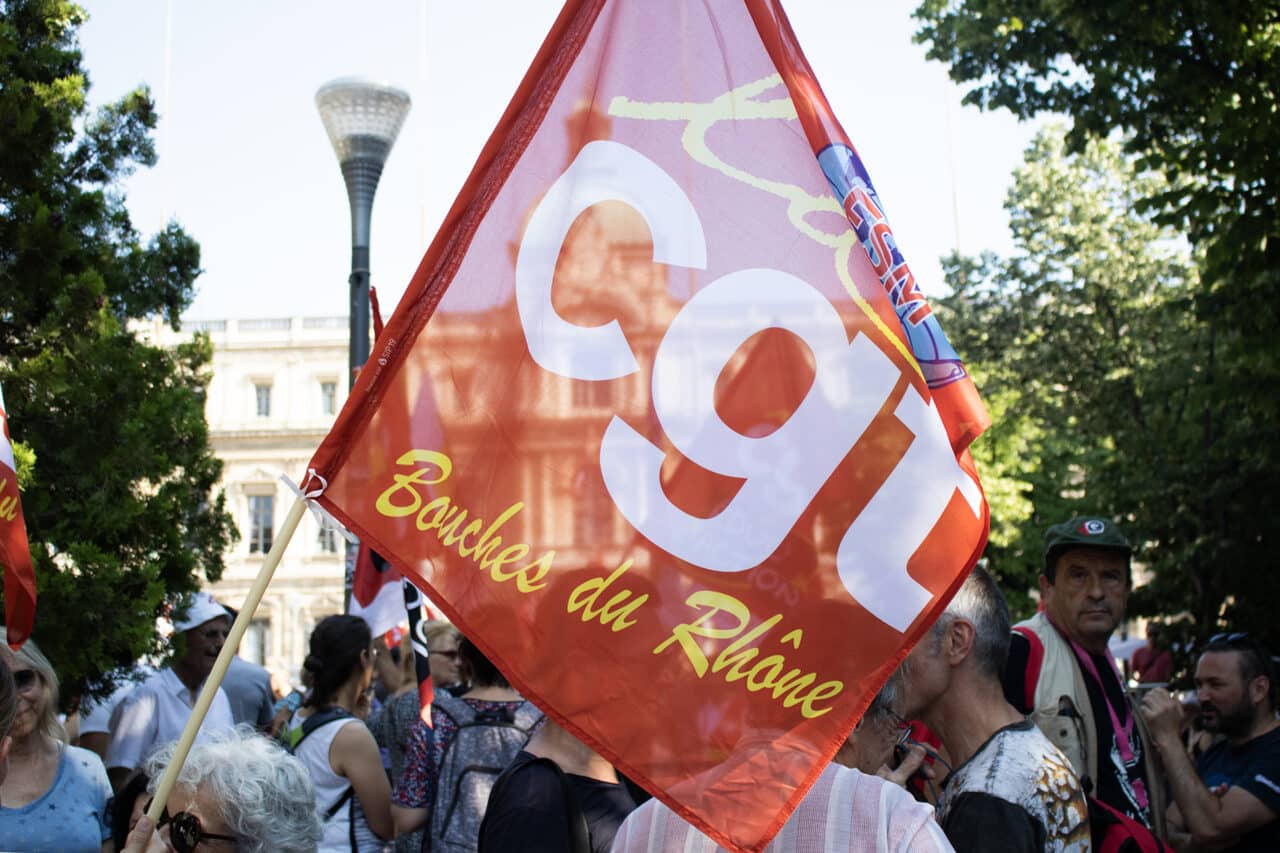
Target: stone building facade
{"type": "Point", "coordinates": [277, 385]}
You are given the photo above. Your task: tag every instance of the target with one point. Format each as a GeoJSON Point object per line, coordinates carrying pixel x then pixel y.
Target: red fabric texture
{"type": "Point", "coordinates": [15, 551]}
{"type": "Point", "coordinates": [647, 427]}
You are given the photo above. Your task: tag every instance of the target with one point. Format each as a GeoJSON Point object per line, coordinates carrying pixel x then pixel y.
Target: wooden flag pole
{"type": "Point", "coordinates": [211, 684]}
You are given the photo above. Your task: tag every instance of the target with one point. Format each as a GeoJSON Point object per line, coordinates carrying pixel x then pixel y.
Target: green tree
{"type": "Point", "coordinates": [1194, 84]}
{"type": "Point", "coordinates": [118, 475]}
{"type": "Point", "coordinates": [1103, 381]}
{"type": "Point", "coordinates": [1193, 87]}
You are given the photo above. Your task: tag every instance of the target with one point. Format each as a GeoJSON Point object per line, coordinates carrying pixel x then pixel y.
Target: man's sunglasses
{"type": "Point", "coordinates": [186, 832]}
{"type": "Point", "coordinates": [1236, 637]}
{"type": "Point", "coordinates": [25, 679]}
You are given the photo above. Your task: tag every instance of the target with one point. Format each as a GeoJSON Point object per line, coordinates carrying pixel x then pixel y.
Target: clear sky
{"type": "Point", "coordinates": [246, 167]}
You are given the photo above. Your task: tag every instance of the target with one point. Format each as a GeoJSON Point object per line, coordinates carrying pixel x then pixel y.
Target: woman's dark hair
{"type": "Point", "coordinates": [336, 645]}
{"type": "Point", "coordinates": [122, 806]}
{"type": "Point", "coordinates": [476, 667]}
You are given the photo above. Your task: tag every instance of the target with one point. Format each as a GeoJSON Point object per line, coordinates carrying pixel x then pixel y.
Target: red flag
{"type": "Point", "coordinates": [681, 447]}
{"type": "Point", "coordinates": [375, 592]}
{"type": "Point", "coordinates": [15, 552]}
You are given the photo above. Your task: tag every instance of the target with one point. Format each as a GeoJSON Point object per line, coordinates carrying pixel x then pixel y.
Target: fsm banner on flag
{"type": "Point", "coordinates": [15, 550]}
{"type": "Point", "coordinates": [664, 421]}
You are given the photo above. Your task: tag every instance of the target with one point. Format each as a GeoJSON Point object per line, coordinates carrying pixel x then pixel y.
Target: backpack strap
{"type": "Point", "coordinates": [294, 737]}
{"type": "Point", "coordinates": [453, 708]}
{"type": "Point", "coordinates": [527, 716]}
{"type": "Point", "coordinates": [291, 738]}
{"type": "Point", "coordinates": [341, 801]}
{"type": "Point", "coordinates": [1035, 659]}
{"type": "Point", "coordinates": [324, 718]}
{"type": "Point", "coordinates": [1129, 835]}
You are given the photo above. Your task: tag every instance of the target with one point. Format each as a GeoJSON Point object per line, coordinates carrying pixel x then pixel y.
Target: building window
{"type": "Point", "coordinates": [328, 540]}
{"type": "Point", "coordinates": [328, 398]}
{"type": "Point", "coordinates": [261, 512]}
{"type": "Point", "coordinates": [254, 646]}
{"type": "Point", "coordinates": [262, 397]}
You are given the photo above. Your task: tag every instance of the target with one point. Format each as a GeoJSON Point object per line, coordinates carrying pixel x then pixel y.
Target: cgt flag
{"type": "Point", "coordinates": [15, 552]}
{"type": "Point", "coordinates": [681, 447]}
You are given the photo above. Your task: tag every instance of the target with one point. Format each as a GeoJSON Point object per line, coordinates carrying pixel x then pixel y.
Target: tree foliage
{"type": "Point", "coordinates": [1194, 84]}
{"type": "Point", "coordinates": [1087, 342]}
{"type": "Point", "coordinates": [1193, 89]}
{"type": "Point", "coordinates": [118, 474]}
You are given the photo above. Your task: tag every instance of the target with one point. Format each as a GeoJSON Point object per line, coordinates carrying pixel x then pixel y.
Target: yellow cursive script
{"type": "Point", "coordinates": [8, 503]}
{"type": "Point", "coordinates": [474, 540]}
{"type": "Point", "coordinates": [615, 612]}
{"type": "Point", "coordinates": [738, 659]}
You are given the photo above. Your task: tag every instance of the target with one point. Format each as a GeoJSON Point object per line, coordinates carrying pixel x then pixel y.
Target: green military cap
{"type": "Point", "coordinates": [1084, 532]}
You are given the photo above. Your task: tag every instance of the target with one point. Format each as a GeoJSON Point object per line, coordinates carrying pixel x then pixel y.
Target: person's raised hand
{"type": "Point", "coordinates": [1163, 714]}
{"type": "Point", "coordinates": [911, 763]}
{"type": "Point", "coordinates": [143, 838]}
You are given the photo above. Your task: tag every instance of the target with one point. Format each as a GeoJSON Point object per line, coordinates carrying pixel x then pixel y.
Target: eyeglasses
{"type": "Point", "coordinates": [25, 679]}
{"type": "Point", "coordinates": [903, 728]}
{"type": "Point", "coordinates": [905, 741]}
{"type": "Point", "coordinates": [1235, 637]}
{"type": "Point", "coordinates": [187, 832]}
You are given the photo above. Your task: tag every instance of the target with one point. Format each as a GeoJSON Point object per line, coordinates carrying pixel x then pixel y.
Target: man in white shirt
{"type": "Point", "coordinates": [156, 711]}
{"type": "Point", "coordinates": [96, 715]}
{"type": "Point", "coordinates": [860, 807]}
{"type": "Point", "coordinates": [1009, 789]}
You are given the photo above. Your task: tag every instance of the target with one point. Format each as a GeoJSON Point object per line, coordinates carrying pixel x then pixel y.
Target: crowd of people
{"type": "Point", "coordinates": [990, 736]}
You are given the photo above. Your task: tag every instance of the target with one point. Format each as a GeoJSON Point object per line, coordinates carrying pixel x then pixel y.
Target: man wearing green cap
{"type": "Point", "coordinates": [1061, 673]}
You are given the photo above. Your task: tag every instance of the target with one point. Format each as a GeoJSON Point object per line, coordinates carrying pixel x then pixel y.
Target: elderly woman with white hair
{"type": "Point", "coordinates": [237, 791]}
{"type": "Point", "coordinates": [54, 796]}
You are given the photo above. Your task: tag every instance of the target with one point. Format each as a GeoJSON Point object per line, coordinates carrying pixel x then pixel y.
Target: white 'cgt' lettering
{"type": "Point", "coordinates": [782, 471]}
{"type": "Point", "coordinates": [602, 171]}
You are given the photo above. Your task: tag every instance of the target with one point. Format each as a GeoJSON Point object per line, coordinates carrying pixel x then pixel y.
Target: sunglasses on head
{"type": "Point", "coordinates": [185, 830]}
{"type": "Point", "coordinates": [1240, 641]}
{"type": "Point", "coordinates": [25, 679]}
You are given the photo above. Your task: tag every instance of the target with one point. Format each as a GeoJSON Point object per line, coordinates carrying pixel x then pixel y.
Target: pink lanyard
{"type": "Point", "coordinates": [1123, 733]}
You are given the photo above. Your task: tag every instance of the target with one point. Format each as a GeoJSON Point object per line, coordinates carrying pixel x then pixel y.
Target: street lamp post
{"type": "Point", "coordinates": [362, 119]}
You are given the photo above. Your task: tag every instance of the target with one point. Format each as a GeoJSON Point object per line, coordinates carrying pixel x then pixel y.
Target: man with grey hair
{"type": "Point", "coordinates": [1011, 788]}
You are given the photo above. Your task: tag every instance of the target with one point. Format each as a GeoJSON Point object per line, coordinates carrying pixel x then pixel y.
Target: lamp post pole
{"type": "Point", "coordinates": [362, 119]}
